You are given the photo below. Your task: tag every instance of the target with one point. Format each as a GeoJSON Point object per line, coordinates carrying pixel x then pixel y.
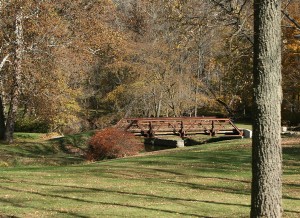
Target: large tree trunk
{"type": "Point", "coordinates": [266, 198]}
{"type": "Point", "coordinates": [15, 93]}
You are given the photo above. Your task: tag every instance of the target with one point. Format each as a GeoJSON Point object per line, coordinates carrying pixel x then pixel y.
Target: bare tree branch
{"type": "Point", "coordinates": [3, 61]}
{"type": "Point", "coordinates": [291, 19]}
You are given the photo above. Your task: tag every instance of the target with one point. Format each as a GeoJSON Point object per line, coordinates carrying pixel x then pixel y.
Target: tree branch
{"type": "Point", "coordinates": [3, 61]}
{"type": "Point", "coordinates": [220, 4]}
{"type": "Point", "coordinates": [291, 19]}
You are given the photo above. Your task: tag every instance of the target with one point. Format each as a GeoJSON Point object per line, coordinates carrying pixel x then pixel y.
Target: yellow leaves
{"type": "Point", "coordinates": [293, 43]}
{"type": "Point", "coordinates": [295, 47]}
{"type": "Point", "coordinates": [138, 85]}
{"type": "Point", "coordinates": [114, 95]}
{"type": "Point", "coordinates": [65, 111]}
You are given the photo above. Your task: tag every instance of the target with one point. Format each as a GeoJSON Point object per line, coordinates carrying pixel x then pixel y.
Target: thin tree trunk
{"type": "Point", "coordinates": [266, 196]}
{"type": "Point", "coordinates": [14, 101]}
{"type": "Point", "coordinates": [199, 72]}
{"type": "Point", "coordinates": [2, 120]}
{"type": "Point", "coordinates": [2, 116]}
{"type": "Point", "coordinates": [158, 108]}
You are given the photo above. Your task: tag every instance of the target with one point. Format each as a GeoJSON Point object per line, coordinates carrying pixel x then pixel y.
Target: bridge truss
{"type": "Point", "coordinates": [181, 126]}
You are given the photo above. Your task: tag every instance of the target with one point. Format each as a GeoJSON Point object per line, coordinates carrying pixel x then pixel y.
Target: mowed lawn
{"type": "Point", "coordinates": [210, 180]}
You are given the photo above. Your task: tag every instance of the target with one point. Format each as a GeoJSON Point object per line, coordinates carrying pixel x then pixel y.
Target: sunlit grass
{"type": "Point", "coordinates": [209, 180]}
{"type": "Point", "coordinates": [244, 125]}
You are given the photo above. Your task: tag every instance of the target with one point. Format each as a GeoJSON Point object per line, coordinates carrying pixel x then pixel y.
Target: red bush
{"type": "Point", "coordinates": [113, 143]}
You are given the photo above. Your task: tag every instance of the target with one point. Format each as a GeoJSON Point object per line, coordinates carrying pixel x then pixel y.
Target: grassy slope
{"type": "Point", "coordinates": [211, 180]}
{"type": "Point", "coordinates": [34, 149]}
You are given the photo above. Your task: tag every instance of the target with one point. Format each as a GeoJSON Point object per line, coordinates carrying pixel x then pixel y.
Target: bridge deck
{"type": "Point", "coordinates": [182, 126]}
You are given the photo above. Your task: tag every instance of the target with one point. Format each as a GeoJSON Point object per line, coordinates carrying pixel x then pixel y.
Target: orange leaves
{"type": "Point", "coordinates": [113, 143]}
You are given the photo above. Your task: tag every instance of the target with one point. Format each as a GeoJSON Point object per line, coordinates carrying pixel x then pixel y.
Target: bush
{"type": "Point", "coordinates": [30, 125]}
{"type": "Point", "coordinates": [113, 143]}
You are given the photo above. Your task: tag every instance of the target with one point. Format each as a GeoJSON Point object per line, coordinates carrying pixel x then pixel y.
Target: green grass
{"type": "Point", "coordinates": [244, 125]}
{"type": "Point", "coordinates": [210, 180]}
{"type": "Point", "coordinates": [30, 136]}
{"type": "Point", "coordinates": [31, 149]}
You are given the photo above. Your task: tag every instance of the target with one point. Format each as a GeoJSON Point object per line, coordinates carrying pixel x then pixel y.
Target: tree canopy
{"type": "Point", "coordinates": [78, 65]}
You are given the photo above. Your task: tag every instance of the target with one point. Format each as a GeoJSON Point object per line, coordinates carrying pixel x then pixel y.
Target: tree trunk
{"type": "Point", "coordinates": [14, 101]}
{"type": "Point", "coordinates": [158, 106]}
{"type": "Point", "coordinates": [266, 196]}
{"type": "Point", "coordinates": [199, 72]}
{"type": "Point", "coordinates": [2, 116]}
{"type": "Point", "coordinates": [2, 120]}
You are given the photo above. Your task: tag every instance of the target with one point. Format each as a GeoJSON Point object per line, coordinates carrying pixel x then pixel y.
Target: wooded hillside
{"type": "Point", "coordinates": [76, 65]}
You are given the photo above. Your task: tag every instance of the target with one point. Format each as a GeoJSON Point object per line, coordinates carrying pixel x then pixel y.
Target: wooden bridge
{"type": "Point", "coordinates": [182, 126]}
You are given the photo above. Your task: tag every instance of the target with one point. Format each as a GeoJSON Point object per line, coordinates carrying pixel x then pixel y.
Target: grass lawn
{"type": "Point", "coordinates": [209, 180]}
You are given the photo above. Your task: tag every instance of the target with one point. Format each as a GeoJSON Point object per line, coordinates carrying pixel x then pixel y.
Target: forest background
{"type": "Point", "coordinates": [72, 66]}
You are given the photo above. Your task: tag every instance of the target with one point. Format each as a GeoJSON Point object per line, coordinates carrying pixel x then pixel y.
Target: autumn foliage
{"type": "Point", "coordinates": [113, 143]}
{"type": "Point", "coordinates": [88, 61]}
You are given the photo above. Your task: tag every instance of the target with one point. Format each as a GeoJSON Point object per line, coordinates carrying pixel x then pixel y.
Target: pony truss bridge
{"type": "Point", "coordinates": [181, 126]}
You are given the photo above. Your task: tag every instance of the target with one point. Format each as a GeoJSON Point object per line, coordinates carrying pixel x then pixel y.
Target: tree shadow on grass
{"type": "Point", "coordinates": [151, 173]}
{"type": "Point", "coordinates": [292, 152]}
{"type": "Point", "coordinates": [40, 154]}
{"type": "Point", "coordinates": [153, 144]}
{"type": "Point", "coordinates": [81, 190]}
{"type": "Point", "coordinates": [192, 142]}
{"type": "Point", "coordinates": [73, 144]}
{"type": "Point", "coordinates": [21, 205]}
{"type": "Point", "coordinates": [185, 184]}
{"type": "Point", "coordinates": [292, 211]}
{"type": "Point", "coordinates": [93, 202]}
{"type": "Point", "coordinates": [292, 185]}
{"type": "Point", "coordinates": [200, 186]}
{"type": "Point", "coordinates": [29, 149]}
{"type": "Point", "coordinates": [204, 177]}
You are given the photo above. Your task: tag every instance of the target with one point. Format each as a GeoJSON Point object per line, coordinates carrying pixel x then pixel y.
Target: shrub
{"type": "Point", "coordinates": [31, 125]}
{"type": "Point", "coordinates": [113, 143]}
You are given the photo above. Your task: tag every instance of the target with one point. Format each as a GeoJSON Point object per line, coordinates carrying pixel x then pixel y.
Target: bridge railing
{"type": "Point", "coordinates": [182, 126]}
